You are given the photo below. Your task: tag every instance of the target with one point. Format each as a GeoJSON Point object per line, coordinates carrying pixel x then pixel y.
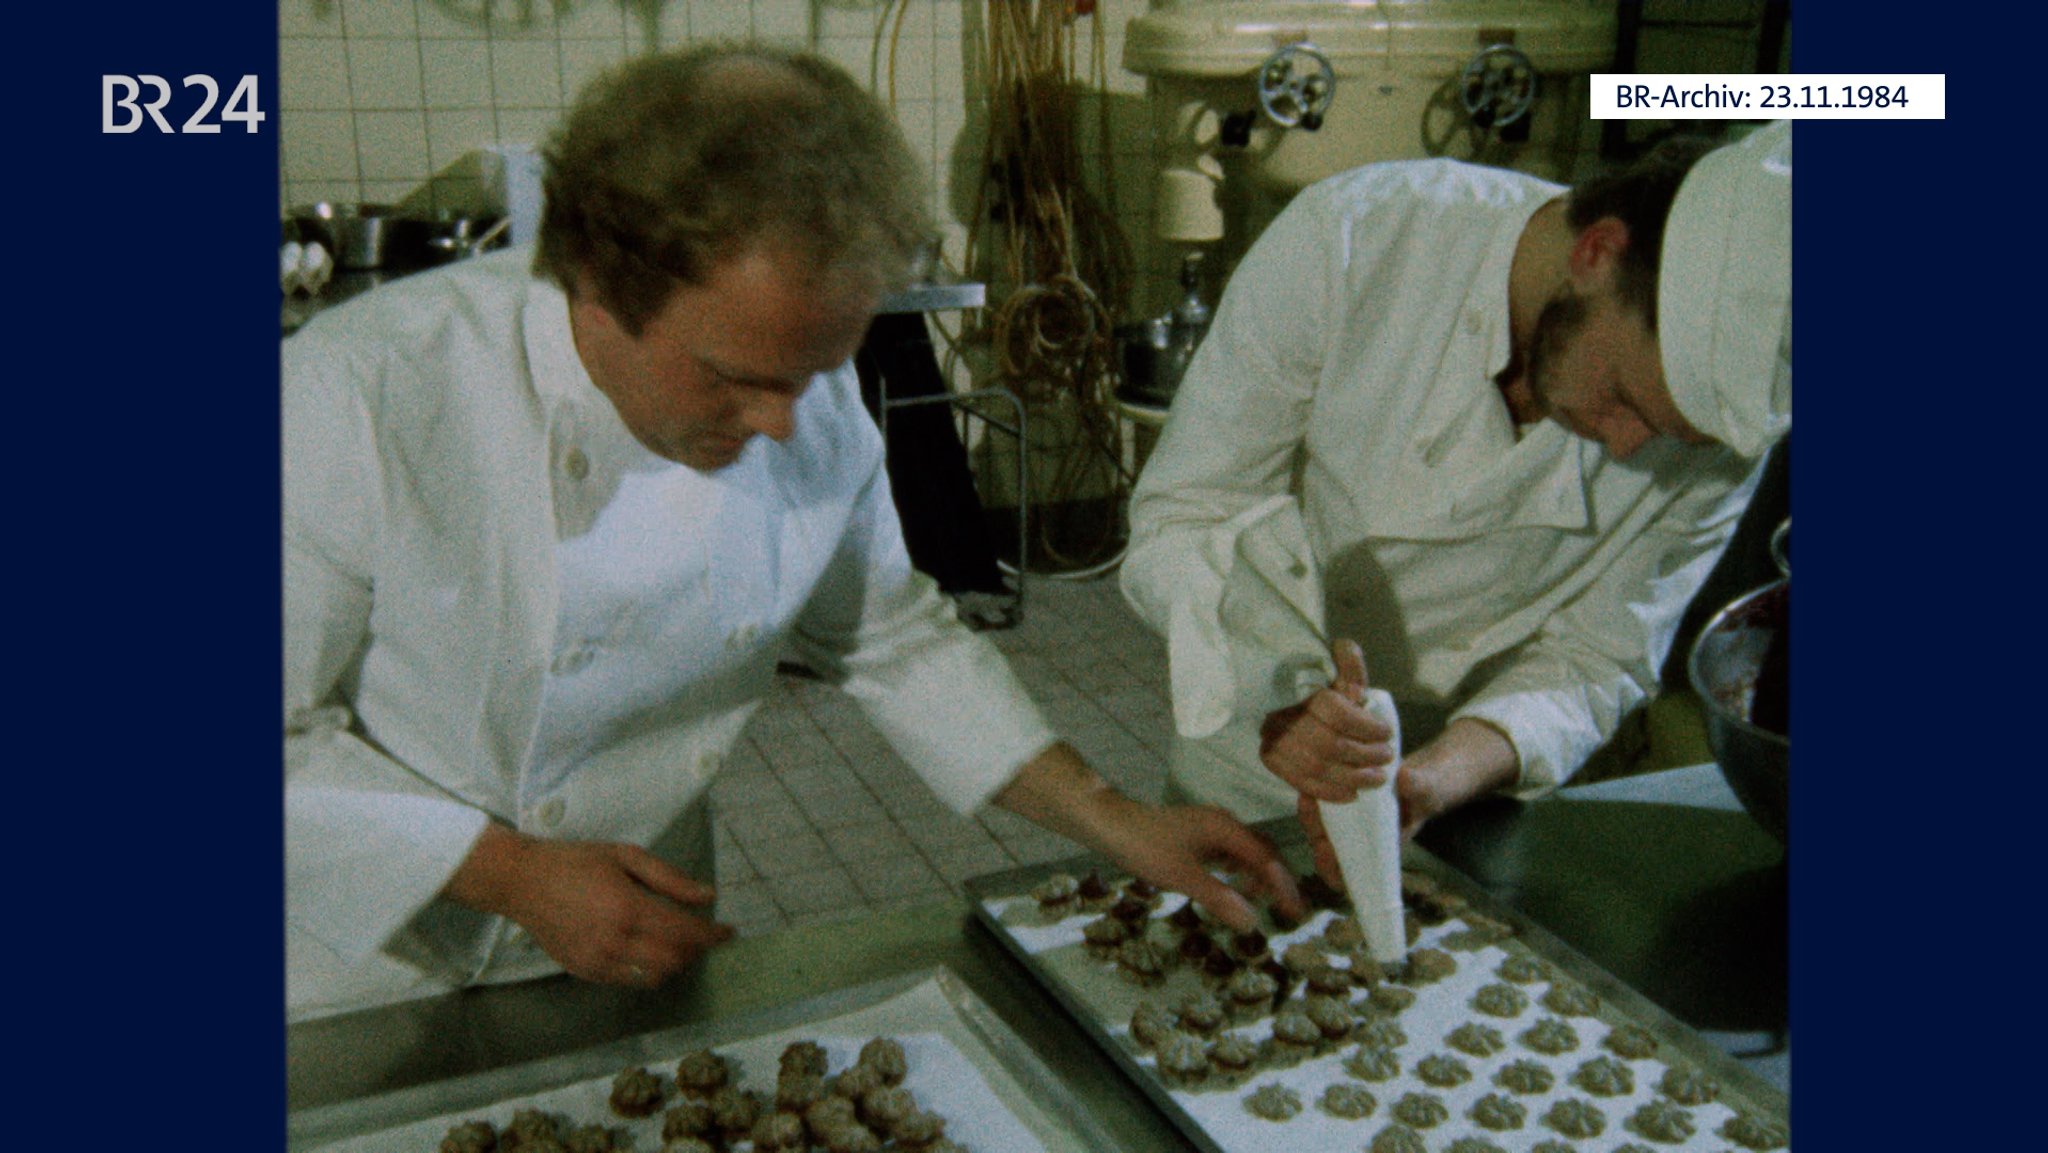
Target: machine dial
{"type": "Point", "coordinates": [1498, 86]}
{"type": "Point", "coordinates": [1296, 86]}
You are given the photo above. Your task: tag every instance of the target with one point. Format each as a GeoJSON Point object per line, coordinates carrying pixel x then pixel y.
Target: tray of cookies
{"type": "Point", "coordinates": [1489, 1036]}
{"type": "Point", "coordinates": [915, 1062]}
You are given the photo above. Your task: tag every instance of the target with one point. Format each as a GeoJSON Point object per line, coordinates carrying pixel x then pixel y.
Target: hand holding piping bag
{"type": "Point", "coordinates": [1357, 843]}
{"type": "Point", "coordinates": [1331, 744]}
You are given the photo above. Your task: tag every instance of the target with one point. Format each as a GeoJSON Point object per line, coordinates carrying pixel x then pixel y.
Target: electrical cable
{"type": "Point", "coordinates": [895, 40]}
{"type": "Point", "coordinates": [1060, 267]}
{"type": "Point", "coordinates": [1059, 260]}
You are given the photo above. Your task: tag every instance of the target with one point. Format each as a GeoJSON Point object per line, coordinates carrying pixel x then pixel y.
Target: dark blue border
{"type": "Point", "coordinates": [1916, 785]}
{"type": "Point", "coordinates": [146, 947]}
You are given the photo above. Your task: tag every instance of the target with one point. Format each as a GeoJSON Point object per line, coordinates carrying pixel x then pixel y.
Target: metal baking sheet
{"type": "Point", "coordinates": [1013, 1103]}
{"type": "Point", "coordinates": [1103, 1000]}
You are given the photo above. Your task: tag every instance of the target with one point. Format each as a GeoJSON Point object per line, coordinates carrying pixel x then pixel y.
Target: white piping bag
{"type": "Point", "coordinates": [1271, 630]}
{"type": "Point", "coordinates": [1366, 834]}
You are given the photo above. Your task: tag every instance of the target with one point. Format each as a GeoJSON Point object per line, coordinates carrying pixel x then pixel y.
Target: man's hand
{"type": "Point", "coordinates": [1425, 791]}
{"type": "Point", "coordinates": [1418, 804]}
{"type": "Point", "coordinates": [1173, 847]}
{"type": "Point", "coordinates": [1468, 760]}
{"type": "Point", "coordinates": [1328, 747]}
{"type": "Point", "coordinates": [610, 913]}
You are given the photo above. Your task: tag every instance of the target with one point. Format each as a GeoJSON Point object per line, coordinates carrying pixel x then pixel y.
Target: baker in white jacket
{"type": "Point", "coordinates": [551, 517]}
{"type": "Point", "coordinates": [1487, 435]}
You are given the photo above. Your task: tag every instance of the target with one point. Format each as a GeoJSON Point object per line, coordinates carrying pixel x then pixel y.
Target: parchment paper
{"type": "Point", "coordinates": [948, 1037]}
{"type": "Point", "coordinates": [1216, 1117]}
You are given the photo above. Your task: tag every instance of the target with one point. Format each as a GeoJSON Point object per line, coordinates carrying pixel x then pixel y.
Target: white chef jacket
{"type": "Point", "coordinates": [1519, 576]}
{"type": "Point", "coordinates": [434, 435]}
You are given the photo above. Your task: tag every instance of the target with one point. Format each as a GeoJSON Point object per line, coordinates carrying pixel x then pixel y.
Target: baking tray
{"type": "Point", "coordinates": [965, 1064]}
{"type": "Point", "coordinates": [1214, 1118]}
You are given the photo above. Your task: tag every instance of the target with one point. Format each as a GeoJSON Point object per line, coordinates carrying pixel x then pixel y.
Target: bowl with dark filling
{"type": "Point", "coordinates": [1740, 667]}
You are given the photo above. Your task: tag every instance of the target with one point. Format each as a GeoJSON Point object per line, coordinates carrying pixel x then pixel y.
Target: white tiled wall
{"type": "Point", "coordinates": [390, 100]}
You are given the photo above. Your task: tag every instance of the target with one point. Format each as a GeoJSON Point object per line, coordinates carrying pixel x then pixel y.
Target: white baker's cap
{"type": "Point", "coordinates": [1724, 312]}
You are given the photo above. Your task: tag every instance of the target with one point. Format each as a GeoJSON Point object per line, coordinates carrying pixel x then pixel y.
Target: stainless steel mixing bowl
{"type": "Point", "coordinates": [1723, 667]}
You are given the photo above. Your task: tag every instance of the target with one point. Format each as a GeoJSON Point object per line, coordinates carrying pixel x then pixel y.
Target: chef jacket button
{"type": "Point", "coordinates": [707, 764]}
{"type": "Point", "coordinates": [551, 812]}
{"type": "Point", "coordinates": [573, 660]}
{"type": "Point", "coordinates": [1473, 324]}
{"type": "Point", "coordinates": [576, 464]}
{"type": "Point", "coordinates": [741, 637]}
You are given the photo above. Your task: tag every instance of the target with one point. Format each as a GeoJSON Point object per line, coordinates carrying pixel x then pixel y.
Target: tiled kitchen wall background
{"type": "Point", "coordinates": [387, 101]}
{"type": "Point", "coordinates": [392, 100]}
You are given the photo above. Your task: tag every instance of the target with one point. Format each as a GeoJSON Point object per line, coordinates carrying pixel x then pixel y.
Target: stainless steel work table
{"type": "Point", "coordinates": [1654, 879]}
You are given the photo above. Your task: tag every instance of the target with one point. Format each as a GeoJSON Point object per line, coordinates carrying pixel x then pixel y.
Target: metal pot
{"type": "Point", "coordinates": [358, 236]}
{"type": "Point", "coordinates": [1727, 665]}
{"type": "Point", "coordinates": [383, 236]}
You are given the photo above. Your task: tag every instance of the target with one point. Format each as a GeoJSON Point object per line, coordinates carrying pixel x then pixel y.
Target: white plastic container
{"type": "Point", "coordinates": [512, 175]}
